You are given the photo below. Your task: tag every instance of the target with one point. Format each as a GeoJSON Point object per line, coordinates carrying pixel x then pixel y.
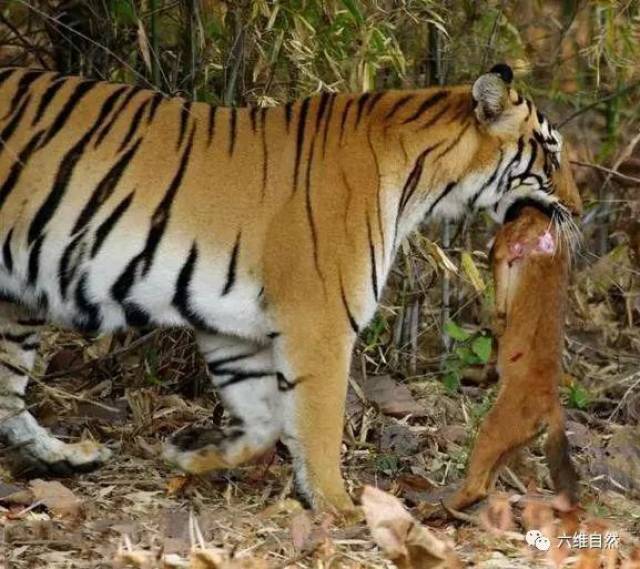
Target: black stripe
{"type": "Point", "coordinates": [239, 376]}
{"type": "Point", "coordinates": [46, 99]}
{"type": "Point", "coordinates": [322, 107]}
{"type": "Point", "coordinates": [18, 166]}
{"type": "Point", "coordinates": [30, 346]}
{"type": "Point", "coordinates": [287, 114]}
{"type": "Point", "coordinates": [91, 313]}
{"type": "Point", "coordinates": [397, 106]}
{"type": "Point", "coordinates": [13, 369]}
{"type": "Point", "coordinates": [31, 322]}
{"type": "Point", "coordinates": [74, 99]}
{"type": "Point", "coordinates": [34, 260]}
{"type": "Point", "coordinates": [426, 105]}
{"type": "Point", "coordinates": [153, 109]}
{"type": "Point", "coordinates": [362, 101]}
{"type": "Point", "coordinates": [6, 73]}
{"type": "Point", "coordinates": [107, 128]}
{"type": "Point", "coordinates": [16, 338]}
{"type": "Point", "coordinates": [309, 208]}
{"type": "Point", "coordinates": [345, 113]}
{"type": "Point", "coordinates": [284, 384]}
{"type": "Point", "coordinates": [105, 188]}
{"type": "Point", "coordinates": [108, 224]}
{"type": "Point", "coordinates": [529, 109]}
{"type": "Point", "coordinates": [532, 158]}
{"type": "Point", "coordinates": [181, 297]}
{"type": "Point", "coordinates": [159, 222]}
{"type": "Point", "coordinates": [8, 130]}
{"type": "Point", "coordinates": [302, 119]}
{"type": "Point", "coordinates": [23, 90]}
{"type": "Point", "coordinates": [352, 321]}
{"type": "Point", "coordinates": [135, 315]}
{"type": "Point", "coordinates": [213, 365]}
{"type": "Point", "coordinates": [378, 189]}
{"type": "Point", "coordinates": [374, 101]}
{"type": "Point", "coordinates": [233, 119]}
{"type": "Point", "coordinates": [65, 172]}
{"type": "Point", "coordinates": [253, 112]}
{"type": "Point", "coordinates": [512, 162]}
{"type": "Point", "coordinates": [454, 142]}
{"type": "Point", "coordinates": [6, 251]}
{"type": "Point", "coordinates": [412, 180]}
{"type": "Point", "coordinates": [265, 151]}
{"type": "Point", "coordinates": [327, 123]}
{"type": "Point", "coordinates": [135, 123]}
{"type": "Point", "coordinates": [184, 121]}
{"type": "Point", "coordinates": [447, 190]}
{"type": "Point", "coordinates": [435, 118]}
{"type": "Point", "coordinates": [489, 182]}
{"type": "Point", "coordinates": [212, 124]}
{"type": "Point", "coordinates": [372, 256]}
{"type": "Point", "coordinates": [65, 275]}
{"type": "Point", "coordinates": [231, 270]}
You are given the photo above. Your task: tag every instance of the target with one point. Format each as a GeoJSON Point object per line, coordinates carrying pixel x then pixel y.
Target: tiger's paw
{"type": "Point", "coordinates": [53, 458]}
{"type": "Point", "coordinates": [198, 450]}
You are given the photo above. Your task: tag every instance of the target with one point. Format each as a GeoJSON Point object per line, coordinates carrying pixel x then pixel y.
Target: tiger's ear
{"type": "Point", "coordinates": [491, 93]}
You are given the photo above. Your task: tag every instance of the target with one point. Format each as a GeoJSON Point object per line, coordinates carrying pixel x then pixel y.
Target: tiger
{"type": "Point", "coordinates": [268, 231]}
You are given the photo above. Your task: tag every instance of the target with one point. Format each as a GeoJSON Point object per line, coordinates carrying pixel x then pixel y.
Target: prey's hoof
{"type": "Point", "coordinates": [61, 461]}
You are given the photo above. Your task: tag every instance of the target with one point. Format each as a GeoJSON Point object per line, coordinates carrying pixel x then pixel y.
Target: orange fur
{"type": "Point", "coordinates": [530, 301]}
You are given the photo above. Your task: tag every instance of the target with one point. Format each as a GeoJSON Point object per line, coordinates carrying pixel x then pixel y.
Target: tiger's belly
{"type": "Point", "coordinates": [176, 290]}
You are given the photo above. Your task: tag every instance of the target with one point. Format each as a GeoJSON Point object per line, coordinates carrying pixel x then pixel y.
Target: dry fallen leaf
{"type": "Point", "coordinates": [498, 515]}
{"type": "Point", "coordinates": [177, 484]}
{"type": "Point", "coordinates": [300, 530]}
{"type": "Point", "coordinates": [58, 499]}
{"type": "Point", "coordinates": [391, 397]}
{"type": "Point", "coordinates": [408, 544]}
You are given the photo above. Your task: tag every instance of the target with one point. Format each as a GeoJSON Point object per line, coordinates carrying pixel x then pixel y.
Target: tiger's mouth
{"type": "Point", "coordinates": [560, 218]}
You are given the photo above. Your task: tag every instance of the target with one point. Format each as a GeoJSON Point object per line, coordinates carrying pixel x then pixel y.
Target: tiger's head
{"type": "Point", "coordinates": [533, 168]}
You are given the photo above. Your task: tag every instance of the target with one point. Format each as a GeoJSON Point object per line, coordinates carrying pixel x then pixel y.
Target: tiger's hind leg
{"type": "Point", "coordinates": [244, 376]}
{"type": "Point", "coordinates": [35, 452]}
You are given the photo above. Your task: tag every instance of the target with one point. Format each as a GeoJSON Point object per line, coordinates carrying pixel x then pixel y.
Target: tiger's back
{"type": "Point", "coordinates": [97, 185]}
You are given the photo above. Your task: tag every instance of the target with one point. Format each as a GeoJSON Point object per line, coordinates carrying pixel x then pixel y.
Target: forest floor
{"type": "Point", "coordinates": [408, 437]}
{"type": "Point", "coordinates": [409, 440]}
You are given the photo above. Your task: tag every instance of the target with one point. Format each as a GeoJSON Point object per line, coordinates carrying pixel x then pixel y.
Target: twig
{"type": "Point", "coordinates": [615, 95]}
{"type": "Point", "coordinates": [60, 24]}
{"type": "Point", "coordinates": [606, 170]}
{"type": "Point", "coordinates": [131, 347]}
{"type": "Point", "coordinates": [633, 386]}
{"type": "Point", "coordinates": [64, 395]}
{"type": "Point", "coordinates": [24, 42]}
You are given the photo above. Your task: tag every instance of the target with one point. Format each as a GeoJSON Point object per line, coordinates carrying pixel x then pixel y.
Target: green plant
{"type": "Point", "coordinates": [468, 350]}
{"type": "Point", "coordinates": [578, 396]}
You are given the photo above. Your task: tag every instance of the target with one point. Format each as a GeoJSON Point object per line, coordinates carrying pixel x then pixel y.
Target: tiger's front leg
{"type": "Point", "coordinates": [314, 363]}
{"type": "Point", "coordinates": [244, 376]}
{"type": "Point", "coordinates": [34, 450]}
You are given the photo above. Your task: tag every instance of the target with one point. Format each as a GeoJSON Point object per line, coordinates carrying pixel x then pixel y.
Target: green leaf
{"type": "Point", "coordinates": [481, 347]}
{"type": "Point", "coordinates": [457, 333]}
{"type": "Point", "coordinates": [467, 356]}
{"type": "Point", "coordinates": [451, 381]}
{"type": "Point", "coordinates": [579, 397]}
{"type": "Point", "coordinates": [353, 10]}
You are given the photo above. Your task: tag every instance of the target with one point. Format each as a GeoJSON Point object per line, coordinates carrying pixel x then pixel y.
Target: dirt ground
{"type": "Point", "coordinates": [409, 440]}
